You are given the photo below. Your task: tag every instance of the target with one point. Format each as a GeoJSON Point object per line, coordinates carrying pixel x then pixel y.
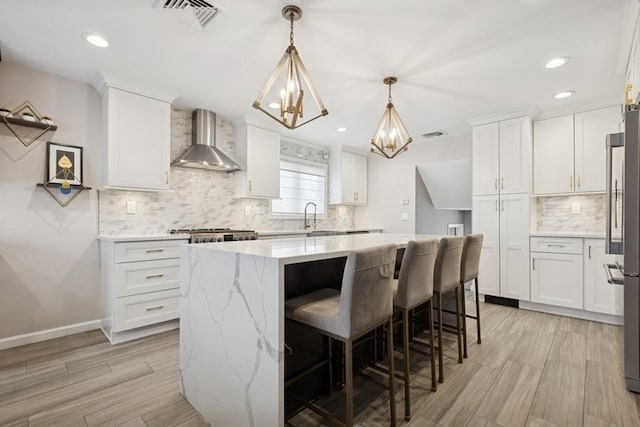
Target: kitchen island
{"type": "Point", "coordinates": [232, 334]}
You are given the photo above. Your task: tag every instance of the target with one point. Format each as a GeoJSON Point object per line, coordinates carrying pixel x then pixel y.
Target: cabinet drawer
{"type": "Point", "coordinates": [146, 309]}
{"type": "Point", "coordinates": [148, 250]}
{"type": "Point", "coordinates": [133, 278]}
{"type": "Point", "coordinates": [556, 245]}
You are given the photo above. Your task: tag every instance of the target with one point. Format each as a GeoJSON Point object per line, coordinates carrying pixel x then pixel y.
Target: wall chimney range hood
{"type": "Point", "coordinates": [203, 153]}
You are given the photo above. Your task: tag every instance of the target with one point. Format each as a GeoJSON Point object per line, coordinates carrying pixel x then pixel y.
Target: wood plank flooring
{"type": "Point", "coordinates": [532, 369]}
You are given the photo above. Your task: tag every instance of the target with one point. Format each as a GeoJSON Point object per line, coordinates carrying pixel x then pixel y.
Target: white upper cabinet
{"type": "Point", "coordinates": [485, 159]}
{"type": "Point", "coordinates": [553, 155]}
{"type": "Point", "coordinates": [258, 153]}
{"type": "Point", "coordinates": [137, 133]}
{"type": "Point", "coordinates": [591, 128]}
{"type": "Point", "coordinates": [347, 178]}
{"type": "Point", "coordinates": [569, 151]}
{"type": "Point", "coordinates": [515, 146]}
{"type": "Point", "coordinates": [501, 157]}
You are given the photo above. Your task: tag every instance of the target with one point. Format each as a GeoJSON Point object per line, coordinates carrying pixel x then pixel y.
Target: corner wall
{"type": "Point", "coordinates": [49, 267]}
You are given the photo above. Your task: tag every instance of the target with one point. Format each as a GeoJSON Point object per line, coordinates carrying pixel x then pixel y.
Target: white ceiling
{"type": "Point", "coordinates": [455, 59]}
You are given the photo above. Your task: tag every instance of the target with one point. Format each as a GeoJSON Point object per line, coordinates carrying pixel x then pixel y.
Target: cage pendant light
{"type": "Point", "coordinates": [294, 83]}
{"type": "Point", "coordinates": [391, 137]}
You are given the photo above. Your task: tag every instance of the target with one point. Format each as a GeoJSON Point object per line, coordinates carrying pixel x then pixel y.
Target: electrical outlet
{"type": "Point", "coordinates": [575, 208]}
{"type": "Point", "coordinates": [404, 201]}
{"type": "Point", "coordinates": [342, 211]}
{"type": "Point", "coordinates": [404, 216]}
{"type": "Point", "coordinates": [247, 210]}
{"type": "Point", "coordinates": [131, 207]}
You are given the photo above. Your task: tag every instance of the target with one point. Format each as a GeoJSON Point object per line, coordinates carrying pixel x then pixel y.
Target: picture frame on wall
{"type": "Point", "coordinates": [64, 164]}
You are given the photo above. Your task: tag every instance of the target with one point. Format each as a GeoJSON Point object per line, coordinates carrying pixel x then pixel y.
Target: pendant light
{"type": "Point", "coordinates": [391, 137]}
{"type": "Point", "coordinates": [293, 81]}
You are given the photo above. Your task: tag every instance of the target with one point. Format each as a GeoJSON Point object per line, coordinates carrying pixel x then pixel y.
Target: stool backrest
{"type": "Point", "coordinates": [470, 265]}
{"type": "Point", "coordinates": [415, 282]}
{"type": "Point", "coordinates": [366, 298]}
{"type": "Point", "coordinates": [448, 260]}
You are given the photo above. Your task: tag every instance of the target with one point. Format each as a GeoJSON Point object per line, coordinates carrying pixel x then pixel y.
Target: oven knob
{"type": "Point", "coordinates": [253, 237]}
{"type": "Point", "coordinates": [236, 238]}
{"type": "Point", "coordinates": [220, 239]}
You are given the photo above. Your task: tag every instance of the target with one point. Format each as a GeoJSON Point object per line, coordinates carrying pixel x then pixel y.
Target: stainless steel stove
{"type": "Point", "coordinates": [207, 235]}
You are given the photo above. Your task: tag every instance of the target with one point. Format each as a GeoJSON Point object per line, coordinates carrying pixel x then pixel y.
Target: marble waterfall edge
{"type": "Point", "coordinates": [231, 313]}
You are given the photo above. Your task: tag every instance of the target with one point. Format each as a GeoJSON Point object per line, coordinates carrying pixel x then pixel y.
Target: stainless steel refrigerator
{"type": "Point", "coordinates": [623, 233]}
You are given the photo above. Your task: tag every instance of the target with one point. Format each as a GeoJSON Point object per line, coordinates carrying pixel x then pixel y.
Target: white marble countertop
{"type": "Point", "coordinates": [142, 237]}
{"type": "Point", "coordinates": [310, 230]}
{"type": "Point", "coordinates": [312, 248]}
{"type": "Point", "coordinates": [576, 234]}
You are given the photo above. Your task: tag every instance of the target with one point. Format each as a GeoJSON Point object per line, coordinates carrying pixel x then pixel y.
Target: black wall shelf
{"type": "Point", "coordinates": [29, 123]}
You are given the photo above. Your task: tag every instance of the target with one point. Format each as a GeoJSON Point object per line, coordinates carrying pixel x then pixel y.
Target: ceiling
{"type": "Point", "coordinates": [455, 59]}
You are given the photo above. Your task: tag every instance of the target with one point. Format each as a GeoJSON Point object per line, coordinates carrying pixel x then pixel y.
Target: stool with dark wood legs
{"type": "Point", "coordinates": [446, 279]}
{"type": "Point", "coordinates": [414, 288]}
{"type": "Point", "coordinates": [364, 303]}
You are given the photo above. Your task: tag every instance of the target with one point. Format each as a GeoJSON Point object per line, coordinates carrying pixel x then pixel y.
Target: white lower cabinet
{"type": "Point", "coordinates": [556, 279]}
{"type": "Point", "coordinates": [140, 287]}
{"type": "Point", "coordinates": [599, 295]}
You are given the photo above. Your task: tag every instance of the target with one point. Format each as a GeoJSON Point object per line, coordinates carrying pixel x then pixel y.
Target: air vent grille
{"type": "Point", "coordinates": [434, 134]}
{"type": "Point", "coordinates": [199, 13]}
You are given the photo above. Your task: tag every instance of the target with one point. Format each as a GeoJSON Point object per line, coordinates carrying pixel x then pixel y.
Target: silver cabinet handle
{"type": "Point", "coordinates": [155, 307]}
{"type": "Point", "coordinates": [555, 245]}
{"type": "Point", "coordinates": [166, 177]}
{"type": "Point", "coordinates": [502, 183]}
{"type": "Point", "coordinates": [578, 181]}
{"type": "Point", "coordinates": [496, 205]}
{"type": "Point", "coordinates": [571, 182]}
{"type": "Point", "coordinates": [533, 260]}
{"type": "Point", "coordinates": [249, 186]}
{"type": "Point", "coordinates": [502, 208]}
{"type": "Point", "coordinates": [155, 276]}
{"type": "Point", "coordinates": [149, 251]}
{"type": "Point", "coordinates": [495, 186]}
{"type": "Point", "coordinates": [589, 251]}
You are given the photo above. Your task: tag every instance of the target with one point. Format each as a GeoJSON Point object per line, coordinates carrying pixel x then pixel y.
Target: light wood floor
{"type": "Point", "coordinates": [531, 369]}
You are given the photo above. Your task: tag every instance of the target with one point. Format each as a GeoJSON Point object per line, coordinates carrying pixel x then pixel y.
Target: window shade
{"type": "Point", "coordinates": [300, 183]}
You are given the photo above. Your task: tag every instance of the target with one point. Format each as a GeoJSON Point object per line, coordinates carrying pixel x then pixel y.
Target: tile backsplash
{"type": "Point", "coordinates": [202, 198]}
{"type": "Point", "coordinates": [554, 213]}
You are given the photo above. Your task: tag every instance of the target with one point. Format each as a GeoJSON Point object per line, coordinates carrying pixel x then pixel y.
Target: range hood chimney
{"type": "Point", "coordinates": [203, 153]}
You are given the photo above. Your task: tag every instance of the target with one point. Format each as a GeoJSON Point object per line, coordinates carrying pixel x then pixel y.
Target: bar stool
{"type": "Point", "coordinates": [446, 279]}
{"type": "Point", "coordinates": [364, 303]}
{"type": "Point", "coordinates": [413, 288]}
{"type": "Point", "coordinates": [469, 267]}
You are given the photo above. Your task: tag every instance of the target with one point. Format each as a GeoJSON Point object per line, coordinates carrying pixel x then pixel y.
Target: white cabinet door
{"type": "Point", "coordinates": [485, 159]}
{"type": "Point", "coordinates": [485, 220]}
{"type": "Point", "coordinates": [553, 163]}
{"type": "Point", "coordinates": [138, 141]}
{"type": "Point", "coordinates": [263, 163]}
{"type": "Point", "coordinates": [591, 129]}
{"type": "Point", "coordinates": [353, 169]}
{"type": "Point", "coordinates": [514, 246]}
{"type": "Point", "coordinates": [556, 279]}
{"type": "Point", "coordinates": [515, 143]}
{"type": "Point", "coordinates": [599, 295]}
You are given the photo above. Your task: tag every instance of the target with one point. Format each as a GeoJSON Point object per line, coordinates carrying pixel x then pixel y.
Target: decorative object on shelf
{"type": "Point", "coordinates": [26, 117]}
{"type": "Point", "coordinates": [291, 76]}
{"type": "Point", "coordinates": [391, 137]}
{"type": "Point", "coordinates": [64, 172]}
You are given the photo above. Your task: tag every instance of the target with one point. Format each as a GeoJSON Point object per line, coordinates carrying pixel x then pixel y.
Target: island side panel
{"type": "Point", "coordinates": [231, 337]}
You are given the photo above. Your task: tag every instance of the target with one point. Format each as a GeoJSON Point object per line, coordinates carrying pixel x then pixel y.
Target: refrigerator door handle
{"type": "Point", "coordinates": [610, 279]}
{"type": "Point", "coordinates": [614, 140]}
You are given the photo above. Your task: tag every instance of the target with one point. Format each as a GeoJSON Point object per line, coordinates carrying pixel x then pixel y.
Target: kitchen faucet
{"type": "Point", "coordinates": [306, 221]}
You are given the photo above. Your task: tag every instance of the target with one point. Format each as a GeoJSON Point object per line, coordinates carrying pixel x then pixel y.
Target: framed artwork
{"type": "Point", "coordinates": [64, 164]}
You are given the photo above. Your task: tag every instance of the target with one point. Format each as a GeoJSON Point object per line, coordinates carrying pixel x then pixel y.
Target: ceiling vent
{"type": "Point", "coordinates": [197, 13]}
{"type": "Point", "coordinates": [434, 134]}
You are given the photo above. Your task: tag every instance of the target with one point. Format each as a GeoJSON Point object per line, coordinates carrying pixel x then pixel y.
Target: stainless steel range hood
{"type": "Point", "coordinates": [203, 153]}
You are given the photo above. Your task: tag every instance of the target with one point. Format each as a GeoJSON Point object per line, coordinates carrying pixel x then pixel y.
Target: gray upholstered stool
{"type": "Point", "coordinates": [413, 288]}
{"type": "Point", "coordinates": [469, 268]}
{"type": "Point", "coordinates": [364, 303]}
{"type": "Point", "coordinates": [447, 279]}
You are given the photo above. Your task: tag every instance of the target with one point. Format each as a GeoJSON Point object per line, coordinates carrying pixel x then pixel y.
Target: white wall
{"type": "Point", "coordinates": [49, 272]}
{"type": "Point", "coordinates": [392, 180]}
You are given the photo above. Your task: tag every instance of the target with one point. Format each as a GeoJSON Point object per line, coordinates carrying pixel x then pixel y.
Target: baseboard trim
{"type": "Point", "coordinates": [572, 312]}
{"type": "Point", "coordinates": [48, 334]}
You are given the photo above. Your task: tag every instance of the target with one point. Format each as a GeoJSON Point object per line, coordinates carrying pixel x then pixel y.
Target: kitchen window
{"type": "Point", "coordinates": [301, 182]}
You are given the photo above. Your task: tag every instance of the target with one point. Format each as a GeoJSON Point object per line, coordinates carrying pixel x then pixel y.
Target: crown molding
{"type": "Point", "coordinates": [492, 118]}
{"type": "Point", "coordinates": [102, 81]}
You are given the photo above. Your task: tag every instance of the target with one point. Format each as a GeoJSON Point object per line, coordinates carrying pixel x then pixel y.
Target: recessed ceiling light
{"type": "Point", "coordinates": [96, 40]}
{"type": "Point", "coordinates": [274, 105]}
{"type": "Point", "coordinates": [341, 129]}
{"type": "Point", "coordinates": [557, 62]}
{"type": "Point", "coordinates": [564, 94]}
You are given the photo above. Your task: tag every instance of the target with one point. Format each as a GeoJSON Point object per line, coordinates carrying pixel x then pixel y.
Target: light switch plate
{"type": "Point", "coordinates": [404, 201]}
{"type": "Point", "coordinates": [404, 216]}
{"type": "Point", "coordinates": [131, 207]}
{"type": "Point", "coordinates": [575, 208]}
